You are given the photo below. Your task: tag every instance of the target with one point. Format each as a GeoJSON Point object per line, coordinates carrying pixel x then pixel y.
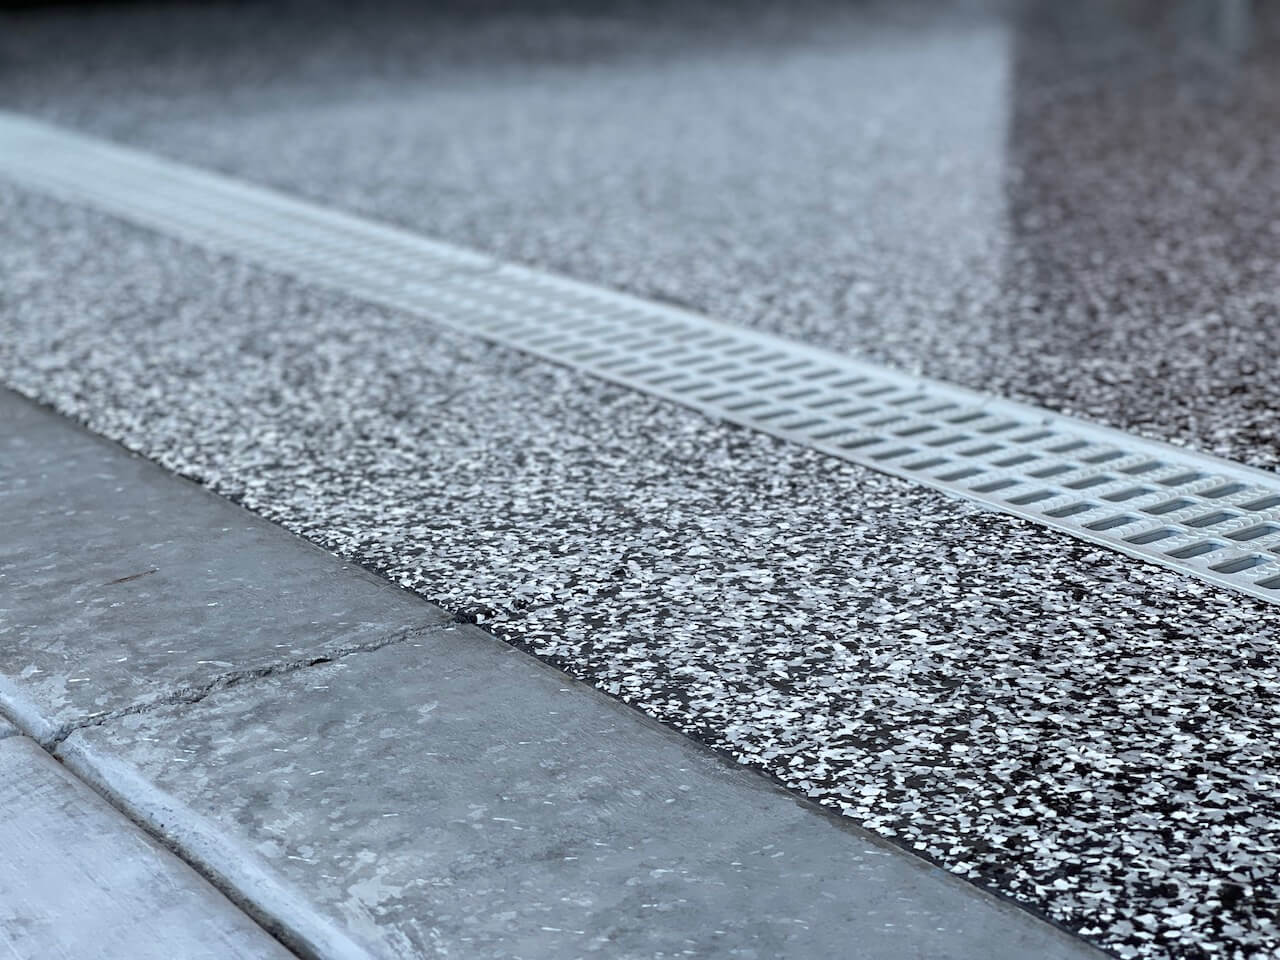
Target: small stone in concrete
{"type": "Point", "coordinates": [78, 880]}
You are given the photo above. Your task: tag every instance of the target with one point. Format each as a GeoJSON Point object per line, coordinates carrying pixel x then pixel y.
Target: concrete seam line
{"type": "Point", "coordinates": [1202, 516]}
{"type": "Point", "coordinates": [191, 694]}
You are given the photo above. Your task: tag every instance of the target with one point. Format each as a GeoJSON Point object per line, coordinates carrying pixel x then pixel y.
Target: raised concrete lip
{"type": "Point", "coordinates": [236, 871]}
{"type": "Point", "coordinates": [82, 880]}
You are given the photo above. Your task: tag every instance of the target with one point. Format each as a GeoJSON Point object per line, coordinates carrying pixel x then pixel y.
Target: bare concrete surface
{"type": "Point", "coordinates": [121, 585]}
{"type": "Point", "coordinates": [454, 797]}
{"type": "Point", "coordinates": [78, 880]}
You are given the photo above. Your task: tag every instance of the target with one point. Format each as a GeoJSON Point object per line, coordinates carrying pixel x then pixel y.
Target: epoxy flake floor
{"type": "Point", "coordinates": [1093, 737]}
{"type": "Point", "coordinates": [1070, 204]}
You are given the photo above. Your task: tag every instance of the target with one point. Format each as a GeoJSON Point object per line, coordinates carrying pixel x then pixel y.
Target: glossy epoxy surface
{"type": "Point", "coordinates": [1074, 206]}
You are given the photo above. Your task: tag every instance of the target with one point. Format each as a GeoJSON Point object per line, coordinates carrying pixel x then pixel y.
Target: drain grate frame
{"type": "Point", "coordinates": [1203, 516]}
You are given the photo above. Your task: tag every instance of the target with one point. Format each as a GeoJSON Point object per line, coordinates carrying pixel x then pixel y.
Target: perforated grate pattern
{"type": "Point", "coordinates": [1206, 517]}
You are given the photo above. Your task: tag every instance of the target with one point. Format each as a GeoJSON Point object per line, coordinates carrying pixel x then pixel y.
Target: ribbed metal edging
{"type": "Point", "coordinates": [1203, 516]}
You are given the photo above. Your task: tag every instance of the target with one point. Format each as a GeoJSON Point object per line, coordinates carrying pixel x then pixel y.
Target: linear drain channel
{"type": "Point", "coordinates": [1204, 516]}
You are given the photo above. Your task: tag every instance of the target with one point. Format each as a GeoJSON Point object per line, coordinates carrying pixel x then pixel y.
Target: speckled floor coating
{"type": "Point", "coordinates": [1070, 204]}
{"type": "Point", "coordinates": [1093, 737]}
{"type": "Point", "coordinates": [1077, 212]}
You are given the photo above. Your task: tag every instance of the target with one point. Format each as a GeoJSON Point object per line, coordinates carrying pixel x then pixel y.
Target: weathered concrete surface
{"type": "Point", "coordinates": [121, 584]}
{"type": "Point", "coordinates": [79, 880]}
{"type": "Point", "coordinates": [452, 796]}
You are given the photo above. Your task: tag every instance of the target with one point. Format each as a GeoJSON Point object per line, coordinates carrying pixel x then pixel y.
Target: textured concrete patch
{"type": "Point", "coordinates": [123, 585]}
{"type": "Point", "coordinates": [454, 796]}
{"type": "Point", "coordinates": [79, 880]}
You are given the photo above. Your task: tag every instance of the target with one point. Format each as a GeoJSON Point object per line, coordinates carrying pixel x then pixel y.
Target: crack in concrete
{"type": "Point", "coordinates": [195, 693]}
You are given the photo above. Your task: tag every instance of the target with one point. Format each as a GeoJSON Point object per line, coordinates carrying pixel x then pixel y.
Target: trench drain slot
{"type": "Point", "coordinates": [797, 392]}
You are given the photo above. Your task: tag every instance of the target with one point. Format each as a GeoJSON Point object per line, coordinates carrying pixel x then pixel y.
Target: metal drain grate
{"type": "Point", "coordinates": [1207, 517]}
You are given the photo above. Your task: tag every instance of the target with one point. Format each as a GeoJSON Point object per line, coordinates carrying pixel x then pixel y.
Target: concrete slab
{"type": "Point", "coordinates": [453, 796]}
{"type": "Point", "coordinates": [122, 585]}
{"type": "Point", "coordinates": [79, 880]}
